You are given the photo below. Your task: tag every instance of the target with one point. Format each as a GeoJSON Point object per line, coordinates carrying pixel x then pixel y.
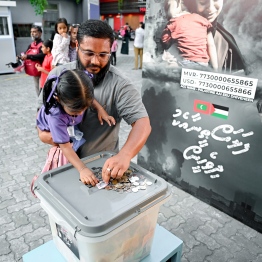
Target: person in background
{"type": "Point", "coordinates": [47, 63]}
{"type": "Point", "coordinates": [113, 52]}
{"type": "Point", "coordinates": [72, 46]}
{"type": "Point", "coordinates": [36, 33]}
{"type": "Point", "coordinates": [125, 41]}
{"type": "Point", "coordinates": [138, 45]}
{"type": "Point", "coordinates": [66, 97]}
{"type": "Point", "coordinates": [52, 36]}
{"type": "Point", "coordinates": [115, 93]}
{"type": "Point", "coordinates": [122, 31]}
{"type": "Point", "coordinates": [61, 43]}
{"type": "Point", "coordinates": [128, 26]}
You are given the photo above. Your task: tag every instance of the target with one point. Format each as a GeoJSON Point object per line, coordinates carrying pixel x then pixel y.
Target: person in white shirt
{"type": "Point", "coordinates": [61, 43]}
{"type": "Point", "coordinates": [138, 45]}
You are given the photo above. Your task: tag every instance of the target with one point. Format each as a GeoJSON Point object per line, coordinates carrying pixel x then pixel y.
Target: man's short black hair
{"type": "Point", "coordinates": [38, 28]}
{"type": "Point", "coordinates": [96, 29]}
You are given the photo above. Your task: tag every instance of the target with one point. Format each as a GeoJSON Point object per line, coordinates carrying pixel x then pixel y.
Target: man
{"type": "Point", "coordinates": [115, 93]}
{"type": "Point", "coordinates": [36, 33]}
{"type": "Point", "coordinates": [138, 45]}
{"type": "Point", "coordinates": [72, 46]}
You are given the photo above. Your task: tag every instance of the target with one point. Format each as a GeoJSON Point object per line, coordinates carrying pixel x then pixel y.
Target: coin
{"type": "Point", "coordinates": [119, 185]}
{"type": "Point", "coordinates": [128, 172]}
{"type": "Point", "coordinates": [135, 189]}
{"type": "Point", "coordinates": [131, 181]}
{"type": "Point", "coordinates": [114, 182]}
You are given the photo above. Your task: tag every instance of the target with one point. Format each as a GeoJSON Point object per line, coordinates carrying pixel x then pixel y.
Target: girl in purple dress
{"type": "Point", "coordinates": [66, 99]}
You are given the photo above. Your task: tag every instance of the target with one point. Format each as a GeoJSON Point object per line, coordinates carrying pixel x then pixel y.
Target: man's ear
{"type": "Point", "coordinates": [76, 45]}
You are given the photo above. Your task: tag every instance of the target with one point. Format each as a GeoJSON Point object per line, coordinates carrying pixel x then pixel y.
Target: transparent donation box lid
{"type": "Point", "coordinates": [95, 212]}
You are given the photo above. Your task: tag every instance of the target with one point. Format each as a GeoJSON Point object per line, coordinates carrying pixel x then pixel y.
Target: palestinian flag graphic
{"type": "Point", "coordinates": [208, 108]}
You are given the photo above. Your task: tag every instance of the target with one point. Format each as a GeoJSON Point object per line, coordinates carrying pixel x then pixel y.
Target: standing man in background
{"type": "Point", "coordinates": [139, 44]}
{"type": "Point", "coordinates": [35, 54]}
{"type": "Point", "coordinates": [72, 46]}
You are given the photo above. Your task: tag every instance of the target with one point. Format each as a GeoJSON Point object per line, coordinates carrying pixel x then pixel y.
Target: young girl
{"type": "Point", "coordinates": [113, 52]}
{"type": "Point", "coordinates": [47, 63]}
{"type": "Point", "coordinates": [61, 43]}
{"type": "Point", "coordinates": [66, 98]}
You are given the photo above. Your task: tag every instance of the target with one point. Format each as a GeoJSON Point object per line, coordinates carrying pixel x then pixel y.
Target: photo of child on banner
{"type": "Point", "coordinates": [171, 15]}
{"type": "Point", "coordinates": [192, 37]}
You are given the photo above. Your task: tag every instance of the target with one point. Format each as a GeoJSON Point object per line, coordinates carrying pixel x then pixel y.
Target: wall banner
{"type": "Point", "coordinates": [203, 92]}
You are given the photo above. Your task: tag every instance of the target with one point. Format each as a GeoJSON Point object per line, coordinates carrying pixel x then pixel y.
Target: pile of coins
{"type": "Point", "coordinates": [129, 182]}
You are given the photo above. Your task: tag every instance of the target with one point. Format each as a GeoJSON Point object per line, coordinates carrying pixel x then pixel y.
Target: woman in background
{"type": "Point", "coordinates": [125, 41]}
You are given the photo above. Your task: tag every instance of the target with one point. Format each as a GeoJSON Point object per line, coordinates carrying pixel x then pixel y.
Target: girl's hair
{"type": "Point", "coordinates": [59, 21]}
{"type": "Point", "coordinates": [48, 43]}
{"type": "Point", "coordinates": [73, 88]}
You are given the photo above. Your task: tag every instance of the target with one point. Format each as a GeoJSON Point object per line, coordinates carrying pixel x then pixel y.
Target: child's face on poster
{"type": "Point", "coordinates": [210, 9]}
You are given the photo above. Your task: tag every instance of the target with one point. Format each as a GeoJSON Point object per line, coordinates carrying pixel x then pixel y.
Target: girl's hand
{"type": "Point", "coordinates": [38, 67]}
{"type": "Point", "coordinates": [64, 35]}
{"type": "Point", "coordinates": [87, 177]}
{"type": "Point", "coordinates": [103, 115]}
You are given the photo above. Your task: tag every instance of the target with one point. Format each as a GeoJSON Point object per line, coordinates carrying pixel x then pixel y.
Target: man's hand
{"type": "Point", "coordinates": [115, 167]}
{"type": "Point", "coordinates": [23, 57]}
{"type": "Point", "coordinates": [46, 137]}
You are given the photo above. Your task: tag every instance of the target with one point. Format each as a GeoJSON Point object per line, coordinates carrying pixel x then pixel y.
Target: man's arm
{"type": "Point", "coordinates": [119, 163]}
{"type": "Point", "coordinates": [38, 57]}
{"type": "Point", "coordinates": [45, 137]}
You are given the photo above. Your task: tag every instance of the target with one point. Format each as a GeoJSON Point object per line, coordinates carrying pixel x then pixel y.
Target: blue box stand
{"type": "Point", "coordinates": [166, 246]}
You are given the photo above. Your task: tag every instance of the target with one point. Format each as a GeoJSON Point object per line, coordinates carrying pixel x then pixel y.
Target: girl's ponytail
{"type": "Point", "coordinates": [49, 91]}
{"type": "Point", "coordinates": [46, 92]}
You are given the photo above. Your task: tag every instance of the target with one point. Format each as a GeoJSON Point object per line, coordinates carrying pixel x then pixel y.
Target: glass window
{"type": "Point", "coordinates": [22, 30]}
{"type": "Point", "coordinates": [4, 26]}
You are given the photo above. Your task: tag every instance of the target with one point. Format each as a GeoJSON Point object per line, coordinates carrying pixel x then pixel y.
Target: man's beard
{"type": "Point", "coordinates": [97, 78]}
{"type": "Point", "coordinates": [34, 38]}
